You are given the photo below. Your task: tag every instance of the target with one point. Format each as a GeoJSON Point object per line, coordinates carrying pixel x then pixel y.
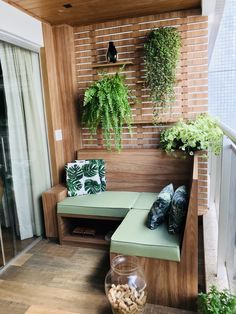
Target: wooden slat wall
{"type": "Point", "coordinates": [91, 43]}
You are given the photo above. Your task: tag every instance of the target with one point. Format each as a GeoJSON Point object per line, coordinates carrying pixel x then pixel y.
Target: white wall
{"type": "Point", "coordinates": [208, 9]}
{"type": "Point", "coordinates": [18, 27]}
{"type": "Point", "coordinates": [214, 9]}
{"type": "Point", "coordinates": [222, 67]}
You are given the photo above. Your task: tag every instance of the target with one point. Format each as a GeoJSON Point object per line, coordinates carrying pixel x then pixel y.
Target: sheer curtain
{"type": "Point", "coordinates": [27, 135]}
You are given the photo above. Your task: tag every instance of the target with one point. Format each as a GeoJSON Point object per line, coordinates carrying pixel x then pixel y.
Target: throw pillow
{"type": "Point", "coordinates": [82, 177]}
{"type": "Point", "coordinates": [160, 207]}
{"type": "Point", "coordinates": [178, 210]}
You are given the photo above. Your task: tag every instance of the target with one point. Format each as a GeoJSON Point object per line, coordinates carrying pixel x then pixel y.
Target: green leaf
{"type": "Point", "coordinates": [90, 169]}
{"type": "Point", "coordinates": [217, 302]}
{"type": "Point", "coordinates": [103, 186]}
{"type": "Point", "coordinates": [74, 172]}
{"type": "Point", "coordinates": [73, 188]}
{"type": "Point", "coordinates": [91, 186]}
{"type": "Point", "coordinates": [73, 176]}
{"type": "Point", "coordinates": [101, 168]}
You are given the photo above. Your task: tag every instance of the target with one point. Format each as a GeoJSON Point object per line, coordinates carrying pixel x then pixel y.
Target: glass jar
{"type": "Point", "coordinates": [125, 286]}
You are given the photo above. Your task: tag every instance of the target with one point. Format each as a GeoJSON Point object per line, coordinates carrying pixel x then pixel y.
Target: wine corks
{"type": "Point", "coordinates": [127, 300]}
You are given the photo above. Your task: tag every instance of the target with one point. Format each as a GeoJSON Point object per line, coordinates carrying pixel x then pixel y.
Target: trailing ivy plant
{"type": "Point", "coordinates": [161, 55]}
{"type": "Point", "coordinates": [203, 133]}
{"type": "Point", "coordinates": [106, 105]}
{"type": "Point", "coordinates": [217, 302]}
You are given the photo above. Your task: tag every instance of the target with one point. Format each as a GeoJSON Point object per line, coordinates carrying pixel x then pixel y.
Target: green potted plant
{"type": "Point", "coordinates": [217, 302]}
{"type": "Point", "coordinates": [161, 55]}
{"type": "Point", "coordinates": [203, 133]}
{"type": "Point", "coordinates": [106, 105]}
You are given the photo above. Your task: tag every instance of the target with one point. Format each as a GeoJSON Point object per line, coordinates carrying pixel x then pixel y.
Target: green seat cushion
{"type": "Point", "coordinates": [108, 203]}
{"type": "Point", "coordinates": [132, 237]}
{"type": "Point", "coordinates": [145, 200]}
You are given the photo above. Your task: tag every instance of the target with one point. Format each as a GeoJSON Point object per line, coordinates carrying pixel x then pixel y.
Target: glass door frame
{"type": "Point", "coordinates": [2, 248]}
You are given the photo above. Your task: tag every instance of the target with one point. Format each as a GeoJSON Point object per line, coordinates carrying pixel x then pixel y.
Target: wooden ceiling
{"type": "Point", "coordinates": [85, 12]}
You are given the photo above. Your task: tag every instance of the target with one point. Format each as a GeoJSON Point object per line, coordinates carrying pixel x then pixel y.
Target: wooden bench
{"type": "Point", "coordinates": [170, 283]}
{"type": "Point", "coordinates": [141, 170]}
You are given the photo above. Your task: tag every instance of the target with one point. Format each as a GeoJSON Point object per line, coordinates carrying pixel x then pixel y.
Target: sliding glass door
{"type": "Point", "coordinates": [24, 164]}
{"type": "Point", "coordinates": [7, 232]}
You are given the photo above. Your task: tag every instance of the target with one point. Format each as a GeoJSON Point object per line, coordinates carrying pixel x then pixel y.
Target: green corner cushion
{"type": "Point", "coordinates": [132, 237]}
{"type": "Point", "coordinates": [145, 200]}
{"type": "Point", "coordinates": [108, 203]}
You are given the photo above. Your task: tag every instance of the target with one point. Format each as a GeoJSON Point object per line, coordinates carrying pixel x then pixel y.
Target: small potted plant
{"type": "Point", "coordinates": [106, 105]}
{"type": "Point", "coordinates": [203, 133]}
{"type": "Point", "coordinates": [217, 302]}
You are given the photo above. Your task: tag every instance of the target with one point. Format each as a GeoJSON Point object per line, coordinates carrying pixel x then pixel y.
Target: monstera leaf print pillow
{"type": "Point", "coordinates": [85, 177]}
{"type": "Point", "coordinates": [82, 177]}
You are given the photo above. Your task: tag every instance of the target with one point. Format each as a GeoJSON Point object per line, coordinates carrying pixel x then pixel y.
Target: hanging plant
{"type": "Point", "coordinates": [106, 105]}
{"type": "Point", "coordinates": [161, 55]}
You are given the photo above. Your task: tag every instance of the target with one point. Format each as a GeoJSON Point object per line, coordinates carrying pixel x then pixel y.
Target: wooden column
{"type": "Point", "coordinates": [59, 79]}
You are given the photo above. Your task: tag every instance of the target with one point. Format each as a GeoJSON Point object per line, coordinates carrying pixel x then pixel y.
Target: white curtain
{"type": "Point", "coordinates": [27, 135]}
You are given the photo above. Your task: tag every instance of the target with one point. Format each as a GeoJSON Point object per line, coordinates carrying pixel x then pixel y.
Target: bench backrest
{"type": "Point", "coordinates": [141, 170]}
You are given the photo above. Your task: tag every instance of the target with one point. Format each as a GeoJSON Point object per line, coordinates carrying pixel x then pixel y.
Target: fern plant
{"type": "Point", "coordinates": [161, 55]}
{"type": "Point", "coordinates": [203, 133]}
{"type": "Point", "coordinates": [217, 302]}
{"type": "Point", "coordinates": [106, 105]}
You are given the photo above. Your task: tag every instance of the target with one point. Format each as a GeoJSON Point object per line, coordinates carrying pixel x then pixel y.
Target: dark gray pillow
{"type": "Point", "coordinates": [160, 207]}
{"type": "Point", "coordinates": [178, 210]}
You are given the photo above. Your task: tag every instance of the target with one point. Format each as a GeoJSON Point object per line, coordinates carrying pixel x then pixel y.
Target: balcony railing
{"type": "Point", "coordinates": [222, 175]}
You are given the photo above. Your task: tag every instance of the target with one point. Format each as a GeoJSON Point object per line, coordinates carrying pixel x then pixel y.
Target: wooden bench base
{"type": "Point", "coordinates": [169, 283]}
{"type": "Point", "coordinates": [102, 225]}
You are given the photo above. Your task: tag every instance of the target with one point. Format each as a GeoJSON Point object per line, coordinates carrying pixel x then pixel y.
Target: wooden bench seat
{"type": "Point", "coordinates": [106, 204]}
{"type": "Point", "coordinates": [133, 237]}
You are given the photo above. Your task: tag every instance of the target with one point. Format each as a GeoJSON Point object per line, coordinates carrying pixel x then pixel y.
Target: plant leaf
{"type": "Point", "coordinates": [90, 169]}
{"type": "Point", "coordinates": [91, 186]}
{"type": "Point", "coordinates": [106, 105]}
